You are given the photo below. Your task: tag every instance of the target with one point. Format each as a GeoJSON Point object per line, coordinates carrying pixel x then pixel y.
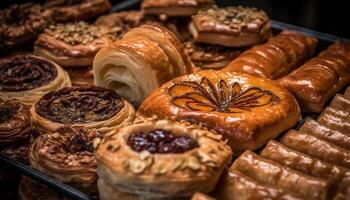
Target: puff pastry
{"type": "Point", "coordinates": [172, 160]}
{"type": "Point", "coordinates": [88, 106]}
{"type": "Point", "coordinates": [135, 66]}
{"type": "Point", "coordinates": [246, 110]}
{"type": "Point", "coordinates": [28, 77]}
{"type": "Point", "coordinates": [320, 78]}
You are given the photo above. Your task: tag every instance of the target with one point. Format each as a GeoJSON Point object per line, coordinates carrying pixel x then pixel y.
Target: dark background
{"type": "Point", "coordinates": [327, 16]}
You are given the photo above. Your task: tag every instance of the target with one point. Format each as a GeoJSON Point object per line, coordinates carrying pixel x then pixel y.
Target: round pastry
{"type": "Point", "coordinates": [67, 155]}
{"type": "Point", "coordinates": [71, 44]}
{"type": "Point", "coordinates": [231, 26]}
{"type": "Point", "coordinates": [75, 10]}
{"type": "Point", "coordinates": [28, 77]}
{"type": "Point", "coordinates": [80, 76]}
{"type": "Point", "coordinates": [248, 111]}
{"type": "Point", "coordinates": [22, 23]}
{"type": "Point", "coordinates": [161, 159]}
{"type": "Point", "coordinates": [88, 106]}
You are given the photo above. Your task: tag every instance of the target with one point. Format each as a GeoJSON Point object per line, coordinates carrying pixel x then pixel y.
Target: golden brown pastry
{"type": "Point", "coordinates": [234, 185]}
{"type": "Point", "coordinates": [87, 106]}
{"type": "Point", "coordinates": [320, 78]}
{"type": "Point", "coordinates": [335, 119]}
{"type": "Point", "coordinates": [71, 44]}
{"type": "Point", "coordinates": [347, 92]}
{"type": "Point", "coordinates": [201, 196]}
{"type": "Point", "coordinates": [22, 23]}
{"type": "Point", "coordinates": [67, 155]}
{"type": "Point", "coordinates": [231, 26]}
{"type": "Point", "coordinates": [28, 77]}
{"type": "Point", "coordinates": [175, 7]}
{"type": "Point", "coordinates": [80, 76]}
{"type": "Point", "coordinates": [75, 10]}
{"type": "Point", "coordinates": [161, 159]}
{"type": "Point", "coordinates": [341, 102]}
{"type": "Point", "coordinates": [276, 58]}
{"type": "Point", "coordinates": [246, 110]}
{"type": "Point", "coordinates": [135, 66]}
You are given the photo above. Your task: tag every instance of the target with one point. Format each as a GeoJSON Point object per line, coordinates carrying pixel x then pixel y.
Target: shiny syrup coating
{"type": "Point", "coordinates": [161, 141]}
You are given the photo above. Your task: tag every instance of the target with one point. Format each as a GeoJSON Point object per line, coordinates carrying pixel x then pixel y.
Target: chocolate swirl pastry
{"type": "Point", "coordinates": [67, 155]}
{"type": "Point", "coordinates": [245, 109]}
{"type": "Point", "coordinates": [27, 78]}
{"type": "Point", "coordinates": [22, 23]}
{"type": "Point", "coordinates": [75, 10]}
{"type": "Point", "coordinates": [160, 160]}
{"type": "Point", "coordinates": [87, 106]}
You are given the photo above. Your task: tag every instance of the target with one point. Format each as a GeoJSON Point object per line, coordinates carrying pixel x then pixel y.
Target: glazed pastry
{"type": "Point", "coordinates": [231, 26]}
{"type": "Point", "coordinates": [272, 173]}
{"type": "Point", "coordinates": [235, 185]}
{"type": "Point", "coordinates": [347, 92]}
{"type": "Point", "coordinates": [20, 24]}
{"type": "Point", "coordinates": [276, 58]}
{"type": "Point", "coordinates": [175, 7]}
{"type": "Point", "coordinates": [318, 148]}
{"type": "Point", "coordinates": [80, 76]}
{"type": "Point", "coordinates": [88, 106]}
{"type": "Point", "coordinates": [27, 78]}
{"type": "Point", "coordinates": [320, 78]}
{"type": "Point", "coordinates": [135, 66]}
{"type": "Point", "coordinates": [206, 56]}
{"type": "Point", "coordinates": [68, 10]}
{"type": "Point", "coordinates": [245, 109]}
{"type": "Point", "coordinates": [72, 44]}
{"type": "Point", "coordinates": [161, 159]}
{"type": "Point", "coordinates": [67, 155]}
{"type": "Point", "coordinates": [201, 196]}
{"type": "Point", "coordinates": [335, 119]}
{"type": "Point", "coordinates": [341, 102]}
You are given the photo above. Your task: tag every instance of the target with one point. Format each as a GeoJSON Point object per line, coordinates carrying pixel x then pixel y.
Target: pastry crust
{"type": "Point", "coordinates": [246, 110]}
{"type": "Point", "coordinates": [276, 58]}
{"type": "Point", "coordinates": [81, 76]}
{"type": "Point", "coordinates": [201, 196]}
{"type": "Point", "coordinates": [72, 44]}
{"type": "Point", "coordinates": [231, 26]}
{"type": "Point", "coordinates": [320, 78]}
{"type": "Point", "coordinates": [28, 77]}
{"type": "Point", "coordinates": [159, 176]}
{"type": "Point", "coordinates": [175, 7]}
{"type": "Point", "coordinates": [87, 106]}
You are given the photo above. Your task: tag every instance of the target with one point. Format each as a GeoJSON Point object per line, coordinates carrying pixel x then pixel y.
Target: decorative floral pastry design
{"type": "Point", "coordinates": [222, 97]}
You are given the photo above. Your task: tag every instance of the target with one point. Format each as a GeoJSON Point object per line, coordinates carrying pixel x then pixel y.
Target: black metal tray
{"type": "Point", "coordinates": [72, 193]}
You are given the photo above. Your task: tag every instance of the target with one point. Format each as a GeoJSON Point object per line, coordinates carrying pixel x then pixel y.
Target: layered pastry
{"type": "Point", "coordinates": [88, 106]}
{"type": "Point", "coordinates": [341, 102]}
{"type": "Point", "coordinates": [28, 77]}
{"type": "Point", "coordinates": [75, 10]}
{"type": "Point", "coordinates": [276, 58]}
{"type": "Point", "coordinates": [145, 58]}
{"type": "Point", "coordinates": [206, 56]}
{"type": "Point", "coordinates": [80, 76]}
{"type": "Point", "coordinates": [22, 23]}
{"type": "Point", "coordinates": [71, 44]}
{"type": "Point", "coordinates": [246, 110]}
{"type": "Point", "coordinates": [67, 155]}
{"type": "Point", "coordinates": [175, 7]}
{"type": "Point", "coordinates": [320, 78]}
{"type": "Point", "coordinates": [335, 119]}
{"type": "Point", "coordinates": [231, 26]}
{"type": "Point", "coordinates": [161, 160]}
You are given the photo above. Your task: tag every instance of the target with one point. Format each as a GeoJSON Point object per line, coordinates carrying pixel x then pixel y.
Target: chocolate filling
{"type": "Point", "coordinates": [79, 105]}
{"type": "Point", "coordinates": [5, 113]}
{"type": "Point", "coordinates": [161, 141]}
{"type": "Point", "coordinates": [23, 72]}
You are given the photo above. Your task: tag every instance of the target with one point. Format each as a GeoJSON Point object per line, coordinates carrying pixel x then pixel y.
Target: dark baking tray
{"type": "Point", "coordinates": [72, 193]}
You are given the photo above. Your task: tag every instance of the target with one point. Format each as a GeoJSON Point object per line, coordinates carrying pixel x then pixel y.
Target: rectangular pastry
{"type": "Point", "coordinates": [320, 78]}
{"type": "Point", "coordinates": [335, 119]}
{"type": "Point", "coordinates": [341, 102]}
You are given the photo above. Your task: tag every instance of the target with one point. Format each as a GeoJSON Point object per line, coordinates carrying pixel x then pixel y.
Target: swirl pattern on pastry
{"type": "Point", "coordinates": [27, 78]}
{"type": "Point", "coordinates": [88, 106]}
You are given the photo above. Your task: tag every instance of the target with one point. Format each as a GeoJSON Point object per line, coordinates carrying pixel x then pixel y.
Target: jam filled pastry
{"type": "Point", "coordinates": [246, 110]}
{"type": "Point", "coordinates": [72, 44]}
{"type": "Point", "coordinates": [231, 26]}
{"type": "Point", "coordinates": [88, 106]}
{"type": "Point", "coordinates": [175, 7]}
{"type": "Point", "coordinates": [276, 58]}
{"type": "Point", "coordinates": [75, 10]}
{"type": "Point", "coordinates": [320, 78]}
{"type": "Point", "coordinates": [160, 160]}
{"type": "Point", "coordinates": [145, 58]}
{"type": "Point", "coordinates": [20, 24]}
{"type": "Point", "coordinates": [67, 155]}
{"type": "Point", "coordinates": [27, 78]}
